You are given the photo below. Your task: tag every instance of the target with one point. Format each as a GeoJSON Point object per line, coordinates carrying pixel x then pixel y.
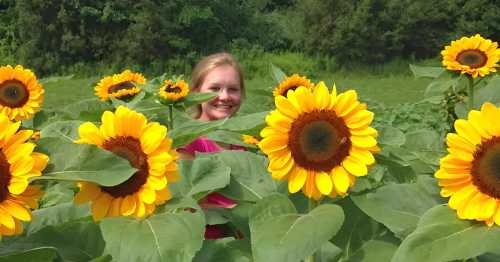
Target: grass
{"type": "Point", "coordinates": [390, 84]}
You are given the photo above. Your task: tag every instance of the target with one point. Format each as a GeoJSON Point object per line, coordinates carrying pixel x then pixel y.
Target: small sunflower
{"type": "Point", "coordinates": [470, 173]}
{"type": "Point", "coordinates": [251, 140]}
{"type": "Point", "coordinates": [119, 86]}
{"type": "Point", "coordinates": [20, 93]}
{"type": "Point", "coordinates": [147, 148]}
{"type": "Point", "coordinates": [319, 141]}
{"type": "Point", "coordinates": [474, 55]}
{"type": "Point", "coordinates": [174, 91]}
{"type": "Point", "coordinates": [291, 83]}
{"type": "Point", "coordinates": [18, 163]}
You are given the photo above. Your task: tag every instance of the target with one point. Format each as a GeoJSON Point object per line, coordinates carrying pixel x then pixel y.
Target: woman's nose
{"type": "Point", "coordinates": [223, 94]}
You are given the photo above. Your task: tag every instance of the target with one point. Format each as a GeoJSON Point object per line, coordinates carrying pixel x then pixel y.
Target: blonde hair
{"type": "Point", "coordinates": [207, 64]}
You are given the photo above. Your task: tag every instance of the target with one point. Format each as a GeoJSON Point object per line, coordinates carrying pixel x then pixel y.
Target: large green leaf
{"type": "Point", "coordinates": [168, 236]}
{"type": "Point", "coordinates": [40, 254]}
{"type": "Point", "coordinates": [360, 233]}
{"type": "Point", "coordinates": [224, 250]}
{"type": "Point", "coordinates": [389, 135]}
{"type": "Point", "coordinates": [250, 180]}
{"type": "Point", "coordinates": [189, 131]}
{"type": "Point", "coordinates": [73, 162]}
{"type": "Point", "coordinates": [279, 233]}
{"type": "Point", "coordinates": [89, 109]}
{"type": "Point", "coordinates": [66, 129]}
{"type": "Point", "coordinates": [488, 93]}
{"type": "Point", "coordinates": [197, 98]}
{"type": "Point", "coordinates": [426, 71]}
{"type": "Point", "coordinates": [248, 124]}
{"type": "Point", "coordinates": [400, 206]}
{"type": "Point", "coordinates": [76, 241]}
{"type": "Point", "coordinates": [56, 215]}
{"type": "Point", "coordinates": [442, 236]}
{"type": "Point", "coordinates": [201, 175]}
{"type": "Point", "coordinates": [57, 192]}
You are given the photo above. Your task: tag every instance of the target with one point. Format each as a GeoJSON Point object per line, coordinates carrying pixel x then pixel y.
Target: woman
{"type": "Point", "coordinates": [219, 73]}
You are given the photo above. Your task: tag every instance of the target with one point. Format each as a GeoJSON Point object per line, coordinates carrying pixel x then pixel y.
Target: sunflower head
{"type": "Point", "coordinates": [147, 148]}
{"type": "Point", "coordinates": [20, 93]}
{"type": "Point", "coordinates": [470, 173]}
{"type": "Point", "coordinates": [319, 141]}
{"type": "Point", "coordinates": [174, 91]}
{"type": "Point", "coordinates": [291, 83]}
{"type": "Point", "coordinates": [120, 86]}
{"type": "Point", "coordinates": [474, 55]}
{"type": "Point", "coordinates": [18, 163]}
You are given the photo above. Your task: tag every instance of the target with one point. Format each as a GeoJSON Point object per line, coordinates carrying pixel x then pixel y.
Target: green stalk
{"type": "Point", "coordinates": [170, 116]}
{"type": "Point", "coordinates": [311, 204]}
{"type": "Point", "coordinates": [471, 93]}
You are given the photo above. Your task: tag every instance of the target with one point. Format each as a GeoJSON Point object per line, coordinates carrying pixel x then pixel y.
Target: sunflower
{"type": "Point", "coordinates": [20, 93]}
{"type": "Point", "coordinates": [291, 83]}
{"type": "Point", "coordinates": [319, 141]}
{"type": "Point", "coordinates": [251, 140]}
{"type": "Point", "coordinates": [474, 55]}
{"type": "Point", "coordinates": [147, 148]}
{"type": "Point", "coordinates": [119, 86]}
{"type": "Point", "coordinates": [18, 163]}
{"type": "Point", "coordinates": [470, 173]}
{"type": "Point", "coordinates": [174, 91]}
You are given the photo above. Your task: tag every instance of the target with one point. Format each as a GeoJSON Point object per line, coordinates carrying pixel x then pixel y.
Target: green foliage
{"type": "Point", "coordinates": [279, 233]}
{"type": "Point", "coordinates": [441, 236]}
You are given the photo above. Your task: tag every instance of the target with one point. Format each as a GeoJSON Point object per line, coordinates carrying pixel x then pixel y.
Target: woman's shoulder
{"type": "Point", "coordinates": [201, 144]}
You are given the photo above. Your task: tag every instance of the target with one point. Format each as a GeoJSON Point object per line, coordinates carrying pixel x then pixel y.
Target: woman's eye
{"type": "Point", "coordinates": [214, 88]}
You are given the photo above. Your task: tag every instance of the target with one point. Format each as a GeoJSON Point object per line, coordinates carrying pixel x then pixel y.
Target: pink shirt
{"type": "Point", "coordinates": [205, 145]}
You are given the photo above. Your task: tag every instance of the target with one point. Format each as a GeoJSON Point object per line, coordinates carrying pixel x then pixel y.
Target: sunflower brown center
{"type": "Point", "coordinates": [130, 149]}
{"type": "Point", "coordinates": [13, 93]}
{"type": "Point", "coordinates": [5, 177]}
{"type": "Point", "coordinates": [285, 92]}
{"type": "Point", "coordinates": [173, 89]}
{"type": "Point", "coordinates": [486, 167]}
{"type": "Point", "coordinates": [472, 58]}
{"type": "Point", "coordinates": [121, 86]}
{"type": "Point", "coordinates": [319, 140]}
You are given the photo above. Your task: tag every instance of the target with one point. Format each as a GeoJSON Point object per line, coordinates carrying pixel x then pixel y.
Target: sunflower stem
{"type": "Point", "coordinates": [311, 204]}
{"type": "Point", "coordinates": [471, 93]}
{"type": "Point", "coordinates": [170, 116]}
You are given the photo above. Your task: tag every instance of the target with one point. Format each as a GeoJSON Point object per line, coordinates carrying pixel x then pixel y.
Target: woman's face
{"type": "Point", "coordinates": [225, 81]}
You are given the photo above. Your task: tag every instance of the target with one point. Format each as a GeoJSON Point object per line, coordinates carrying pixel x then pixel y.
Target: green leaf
{"type": "Point", "coordinates": [201, 175]}
{"type": "Point", "coordinates": [391, 136]}
{"type": "Point", "coordinates": [279, 233]}
{"type": "Point", "coordinates": [57, 193]}
{"type": "Point", "coordinates": [442, 236]}
{"type": "Point", "coordinates": [250, 180]}
{"type": "Point", "coordinates": [89, 109]}
{"type": "Point", "coordinates": [426, 71]}
{"type": "Point", "coordinates": [72, 162]}
{"type": "Point", "coordinates": [184, 134]}
{"type": "Point", "coordinates": [56, 215]}
{"type": "Point", "coordinates": [277, 73]}
{"type": "Point", "coordinates": [358, 232]}
{"type": "Point", "coordinates": [76, 241]}
{"type": "Point", "coordinates": [41, 254]}
{"type": "Point", "coordinates": [328, 252]}
{"type": "Point", "coordinates": [224, 250]}
{"type": "Point", "coordinates": [247, 124]}
{"type": "Point", "coordinates": [197, 98]}
{"type": "Point", "coordinates": [374, 250]}
{"type": "Point", "coordinates": [161, 237]}
{"type": "Point", "coordinates": [67, 129]}
{"type": "Point", "coordinates": [228, 137]}
{"type": "Point", "coordinates": [400, 206]}
{"type": "Point", "coordinates": [52, 79]}
{"type": "Point", "coordinates": [132, 104]}
{"type": "Point", "coordinates": [438, 87]}
{"type": "Point", "coordinates": [489, 93]}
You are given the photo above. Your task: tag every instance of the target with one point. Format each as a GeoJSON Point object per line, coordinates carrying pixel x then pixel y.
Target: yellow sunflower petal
{"type": "Point", "coordinates": [324, 183]}
{"type": "Point", "coordinates": [297, 180]}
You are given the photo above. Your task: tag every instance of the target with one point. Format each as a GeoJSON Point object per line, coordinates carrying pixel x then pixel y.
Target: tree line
{"type": "Point", "coordinates": [49, 35]}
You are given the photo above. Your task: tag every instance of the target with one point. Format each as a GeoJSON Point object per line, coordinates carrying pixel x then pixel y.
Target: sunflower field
{"type": "Point", "coordinates": [94, 174]}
